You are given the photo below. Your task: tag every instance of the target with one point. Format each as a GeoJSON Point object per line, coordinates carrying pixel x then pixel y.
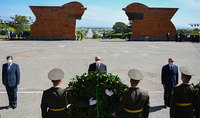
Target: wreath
{"type": "Point", "coordinates": [94, 84]}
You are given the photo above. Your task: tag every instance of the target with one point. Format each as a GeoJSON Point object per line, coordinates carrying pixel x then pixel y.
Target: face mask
{"type": "Point", "coordinates": [98, 62]}
{"type": "Point", "coordinates": [9, 61]}
{"type": "Point", "coordinates": [171, 63]}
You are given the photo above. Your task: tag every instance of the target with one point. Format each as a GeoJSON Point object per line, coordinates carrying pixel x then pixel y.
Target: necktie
{"type": "Point", "coordinates": [8, 68]}
{"type": "Point", "coordinates": [172, 69]}
{"type": "Point", "coordinates": [98, 67]}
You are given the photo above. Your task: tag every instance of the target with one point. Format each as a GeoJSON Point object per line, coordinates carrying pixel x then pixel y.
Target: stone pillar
{"type": "Point", "coordinates": [56, 22]}
{"type": "Point", "coordinates": [150, 23]}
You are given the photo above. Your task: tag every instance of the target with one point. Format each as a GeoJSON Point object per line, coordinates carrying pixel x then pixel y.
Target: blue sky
{"type": "Point", "coordinates": [104, 13]}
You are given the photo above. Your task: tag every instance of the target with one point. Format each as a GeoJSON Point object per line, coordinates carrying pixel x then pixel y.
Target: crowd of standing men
{"type": "Point", "coordinates": [134, 103]}
{"type": "Point", "coordinates": [182, 37]}
{"type": "Point", "coordinates": [14, 35]}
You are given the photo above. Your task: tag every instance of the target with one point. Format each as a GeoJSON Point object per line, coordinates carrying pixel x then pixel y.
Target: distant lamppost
{"type": "Point", "coordinates": [194, 24]}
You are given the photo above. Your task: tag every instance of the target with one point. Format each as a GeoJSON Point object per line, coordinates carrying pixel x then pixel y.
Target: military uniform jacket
{"type": "Point", "coordinates": [184, 94]}
{"type": "Point", "coordinates": [58, 98]}
{"type": "Point", "coordinates": [135, 99]}
{"type": "Point", "coordinates": [197, 106]}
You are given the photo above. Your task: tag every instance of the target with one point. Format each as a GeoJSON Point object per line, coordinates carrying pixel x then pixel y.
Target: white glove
{"type": "Point", "coordinates": [92, 102]}
{"type": "Point", "coordinates": [109, 92]}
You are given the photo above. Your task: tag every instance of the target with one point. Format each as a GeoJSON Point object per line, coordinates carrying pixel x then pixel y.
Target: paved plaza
{"type": "Point", "coordinates": [37, 58]}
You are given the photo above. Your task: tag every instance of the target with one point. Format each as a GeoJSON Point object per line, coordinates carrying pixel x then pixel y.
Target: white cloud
{"type": "Point", "coordinates": [194, 4]}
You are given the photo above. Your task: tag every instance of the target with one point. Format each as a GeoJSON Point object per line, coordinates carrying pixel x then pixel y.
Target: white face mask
{"type": "Point", "coordinates": [9, 61]}
{"type": "Point", "coordinates": [98, 62]}
{"type": "Point", "coordinates": [171, 63]}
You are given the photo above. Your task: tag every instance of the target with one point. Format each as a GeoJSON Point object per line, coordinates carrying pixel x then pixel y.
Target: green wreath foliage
{"type": "Point", "coordinates": [84, 87]}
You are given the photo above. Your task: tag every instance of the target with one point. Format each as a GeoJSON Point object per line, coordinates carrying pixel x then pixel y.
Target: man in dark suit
{"type": "Point", "coordinates": [97, 66]}
{"type": "Point", "coordinates": [184, 97]}
{"type": "Point", "coordinates": [168, 36]}
{"type": "Point", "coordinates": [169, 78]}
{"type": "Point", "coordinates": [11, 80]}
{"type": "Point", "coordinates": [134, 103]}
{"type": "Point", "coordinates": [55, 99]}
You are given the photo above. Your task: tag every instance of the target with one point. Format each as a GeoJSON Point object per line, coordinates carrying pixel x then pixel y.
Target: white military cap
{"type": "Point", "coordinates": [135, 74]}
{"type": "Point", "coordinates": [56, 74]}
{"type": "Point", "coordinates": [186, 71]}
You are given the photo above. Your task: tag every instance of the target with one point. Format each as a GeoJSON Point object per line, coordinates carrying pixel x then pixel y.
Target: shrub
{"type": "Point", "coordinates": [118, 35]}
{"type": "Point", "coordinates": [27, 32]}
{"type": "Point", "coordinates": [95, 36]}
{"type": "Point", "coordinates": [84, 87]}
{"type": "Point", "coordinates": [127, 35]}
{"type": "Point", "coordinates": [2, 32]}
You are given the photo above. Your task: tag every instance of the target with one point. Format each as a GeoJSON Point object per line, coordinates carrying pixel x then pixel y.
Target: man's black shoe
{"type": "Point", "coordinates": [165, 106]}
{"type": "Point", "coordinates": [14, 106]}
{"type": "Point", "coordinates": [8, 107]}
{"type": "Point", "coordinates": [168, 105]}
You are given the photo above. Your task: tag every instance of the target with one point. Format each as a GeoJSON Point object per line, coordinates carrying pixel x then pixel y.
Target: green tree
{"type": "Point", "coordinates": [108, 34]}
{"type": "Point", "coordinates": [129, 28]}
{"type": "Point", "coordinates": [0, 19]}
{"type": "Point", "coordinates": [20, 22]}
{"type": "Point", "coordinates": [120, 27]}
{"type": "Point", "coordinates": [3, 26]}
{"type": "Point", "coordinates": [30, 20]}
{"type": "Point", "coordinates": [196, 29]}
{"type": "Point", "coordinates": [95, 36]}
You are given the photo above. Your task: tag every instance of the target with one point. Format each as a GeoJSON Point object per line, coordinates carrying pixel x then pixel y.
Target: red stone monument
{"type": "Point", "coordinates": [150, 23]}
{"type": "Point", "coordinates": [56, 22]}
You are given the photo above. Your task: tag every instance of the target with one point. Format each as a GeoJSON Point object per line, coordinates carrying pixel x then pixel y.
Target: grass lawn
{"type": "Point", "coordinates": [3, 36]}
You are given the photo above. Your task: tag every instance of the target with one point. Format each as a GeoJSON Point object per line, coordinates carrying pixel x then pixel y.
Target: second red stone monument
{"type": "Point", "coordinates": [150, 23]}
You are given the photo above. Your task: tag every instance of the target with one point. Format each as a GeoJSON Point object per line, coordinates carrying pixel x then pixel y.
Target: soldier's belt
{"type": "Point", "coordinates": [132, 111]}
{"type": "Point", "coordinates": [61, 109]}
{"type": "Point", "coordinates": [183, 104]}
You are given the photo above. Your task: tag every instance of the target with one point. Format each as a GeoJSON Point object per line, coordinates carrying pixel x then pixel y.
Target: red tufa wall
{"type": "Point", "coordinates": [56, 21]}
{"type": "Point", "coordinates": [150, 22]}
